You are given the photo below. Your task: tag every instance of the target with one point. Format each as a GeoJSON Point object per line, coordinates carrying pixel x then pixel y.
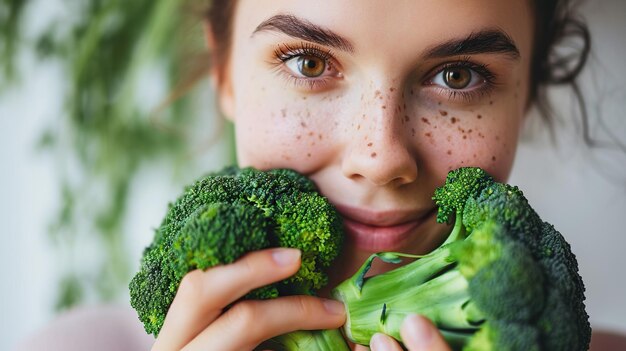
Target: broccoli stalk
{"type": "Point", "coordinates": [227, 214]}
{"type": "Point", "coordinates": [502, 280]}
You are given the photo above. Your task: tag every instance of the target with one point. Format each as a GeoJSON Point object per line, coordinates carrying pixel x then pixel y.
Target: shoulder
{"type": "Point", "coordinates": [602, 340]}
{"type": "Point", "coordinates": [102, 327]}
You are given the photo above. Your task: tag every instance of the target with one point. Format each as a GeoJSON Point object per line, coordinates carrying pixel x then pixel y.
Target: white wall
{"type": "Point", "coordinates": [579, 190]}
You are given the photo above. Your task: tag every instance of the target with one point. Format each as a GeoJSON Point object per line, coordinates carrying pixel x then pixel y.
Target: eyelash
{"type": "Point", "coordinates": [285, 52]}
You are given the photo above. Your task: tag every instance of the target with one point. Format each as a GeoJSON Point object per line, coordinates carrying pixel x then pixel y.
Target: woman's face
{"type": "Point", "coordinates": [376, 101]}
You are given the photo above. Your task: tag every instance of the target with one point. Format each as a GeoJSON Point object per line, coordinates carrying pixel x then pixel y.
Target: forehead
{"type": "Point", "coordinates": [402, 27]}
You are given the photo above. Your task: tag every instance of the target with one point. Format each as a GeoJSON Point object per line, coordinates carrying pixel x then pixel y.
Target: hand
{"type": "Point", "coordinates": [196, 319]}
{"type": "Point", "coordinates": [418, 334]}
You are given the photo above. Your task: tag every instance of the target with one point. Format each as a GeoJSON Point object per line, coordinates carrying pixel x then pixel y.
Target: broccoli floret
{"type": "Point", "coordinates": [502, 280]}
{"type": "Point", "coordinates": [226, 214]}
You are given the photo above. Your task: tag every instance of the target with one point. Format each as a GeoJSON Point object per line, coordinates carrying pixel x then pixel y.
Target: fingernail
{"type": "Point", "coordinates": [334, 307]}
{"type": "Point", "coordinates": [380, 342]}
{"type": "Point", "coordinates": [285, 257]}
{"type": "Point", "coordinates": [418, 331]}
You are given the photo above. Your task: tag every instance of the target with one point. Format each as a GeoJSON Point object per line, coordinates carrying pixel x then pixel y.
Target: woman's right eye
{"type": "Point", "coordinates": [307, 66]}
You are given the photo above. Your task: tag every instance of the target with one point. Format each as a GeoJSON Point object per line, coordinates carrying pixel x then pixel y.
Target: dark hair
{"type": "Point", "coordinates": [556, 26]}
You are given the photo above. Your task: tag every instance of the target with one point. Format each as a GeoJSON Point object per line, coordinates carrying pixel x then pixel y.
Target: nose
{"type": "Point", "coordinates": [379, 149]}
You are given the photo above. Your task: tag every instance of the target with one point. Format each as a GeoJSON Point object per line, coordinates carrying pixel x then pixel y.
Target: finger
{"type": "Point", "coordinates": [251, 322]}
{"type": "Point", "coordinates": [202, 295]}
{"type": "Point", "coordinates": [419, 334]}
{"type": "Point", "coordinates": [382, 342]}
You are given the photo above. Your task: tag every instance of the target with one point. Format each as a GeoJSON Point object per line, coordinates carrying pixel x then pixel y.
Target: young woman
{"type": "Point", "coordinates": [375, 101]}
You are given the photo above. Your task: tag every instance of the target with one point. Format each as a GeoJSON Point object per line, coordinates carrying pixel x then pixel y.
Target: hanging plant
{"type": "Point", "coordinates": [114, 53]}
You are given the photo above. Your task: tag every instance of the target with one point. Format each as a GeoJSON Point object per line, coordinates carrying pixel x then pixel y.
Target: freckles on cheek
{"type": "Point", "coordinates": [284, 137]}
{"type": "Point", "coordinates": [455, 139]}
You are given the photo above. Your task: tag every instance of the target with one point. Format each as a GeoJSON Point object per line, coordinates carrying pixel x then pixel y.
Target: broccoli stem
{"type": "Point", "coordinates": [309, 340]}
{"type": "Point", "coordinates": [430, 286]}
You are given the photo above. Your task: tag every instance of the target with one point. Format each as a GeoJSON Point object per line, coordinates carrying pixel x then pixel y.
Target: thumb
{"type": "Point", "coordinates": [419, 334]}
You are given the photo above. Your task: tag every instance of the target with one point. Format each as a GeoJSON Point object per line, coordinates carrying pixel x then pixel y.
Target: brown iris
{"type": "Point", "coordinates": [311, 66]}
{"type": "Point", "coordinates": [457, 78]}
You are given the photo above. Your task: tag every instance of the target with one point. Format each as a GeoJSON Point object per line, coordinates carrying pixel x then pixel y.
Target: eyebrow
{"type": "Point", "coordinates": [489, 41]}
{"type": "Point", "coordinates": [305, 30]}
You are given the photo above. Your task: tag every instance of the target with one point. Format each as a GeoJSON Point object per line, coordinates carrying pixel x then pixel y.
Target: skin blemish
{"type": "Point", "coordinates": [406, 118]}
{"type": "Point", "coordinates": [303, 124]}
{"type": "Point", "coordinates": [308, 155]}
{"type": "Point", "coordinates": [320, 137]}
{"type": "Point", "coordinates": [373, 155]}
{"type": "Point", "coordinates": [385, 107]}
{"type": "Point", "coordinates": [453, 120]}
{"type": "Point", "coordinates": [298, 137]}
{"type": "Point", "coordinates": [493, 158]}
{"type": "Point", "coordinates": [412, 131]}
{"type": "Point", "coordinates": [443, 113]}
{"type": "Point", "coordinates": [428, 135]}
{"type": "Point", "coordinates": [411, 91]}
{"type": "Point", "coordinates": [479, 116]}
{"type": "Point", "coordinates": [370, 144]}
{"type": "Point", "coordinates": [404, 106]}
{"type": "Point", "coordinates": [464, 136]}
{"type": "Point", "coordinates": [439, 103]}
{"type": "Point", "coordinates": [283, 112]}
{"type": "Point", "coordinates": [311, 133]}
{"type": "Point", "coordinates": [449, 152]}
{"type": "Point", "coordinates": [449, 138]}
{"type": "Point", "coordinates": [304, 98]}
{"type": "Point", "coordinates": [425, 120]}
{"type": "Point", "coordinates": [497, 138]}
{"type": "Point", "coordinates": [392, 89]}
{"type": "Point", "coordinates": [491, 102]}
{"type": "Point", "coordinates": [358, 127]}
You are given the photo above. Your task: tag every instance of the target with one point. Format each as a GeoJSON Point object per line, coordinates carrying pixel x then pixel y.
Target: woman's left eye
{"type": "Point", "coordinates": [307, 66]}
{"type": "Point", "coordinates": [458, 78]}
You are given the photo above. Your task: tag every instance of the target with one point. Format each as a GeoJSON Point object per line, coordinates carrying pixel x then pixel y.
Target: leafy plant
{"type": "Point", "coordinates": [117, 56]}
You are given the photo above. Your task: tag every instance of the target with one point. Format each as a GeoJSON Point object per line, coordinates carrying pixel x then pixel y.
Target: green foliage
{"type": "Point", "coordinates": [503, 280]}
{"type": "Point", "coordinates": [110, 51]}
{"type": "Point", "coordinates": [10, 15]}
{"type": "Point", "coordinates": [227, 214]}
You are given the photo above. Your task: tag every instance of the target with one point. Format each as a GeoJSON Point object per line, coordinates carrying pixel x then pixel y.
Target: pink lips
{"type": "Point", "coordinates": [376, 231]}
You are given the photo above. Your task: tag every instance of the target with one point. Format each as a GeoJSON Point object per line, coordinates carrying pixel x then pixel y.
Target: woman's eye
{"type": "Point", "coordinates": [307, 66]}
{"type": "Point", "coordinates": [457, 78]}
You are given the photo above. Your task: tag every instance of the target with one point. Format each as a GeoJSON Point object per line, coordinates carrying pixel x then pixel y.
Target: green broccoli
{"type": "Point", "coordinates": [227, 214]}
{"type": "Point", "coordinates": [502, 280]}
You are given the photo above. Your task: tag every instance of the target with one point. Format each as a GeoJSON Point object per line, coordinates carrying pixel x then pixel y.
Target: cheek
{"type": "Point", "coordinates": [485, 137]}
{"type": "Point", "coordinates": [275, 132]}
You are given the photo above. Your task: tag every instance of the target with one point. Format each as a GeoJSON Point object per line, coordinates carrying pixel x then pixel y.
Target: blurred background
{"type": "Point", "coordinates": [93, 145]}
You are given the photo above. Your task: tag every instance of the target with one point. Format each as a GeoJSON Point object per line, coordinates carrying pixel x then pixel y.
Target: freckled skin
{"type": "Point", "coordinates": [361, 138]}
